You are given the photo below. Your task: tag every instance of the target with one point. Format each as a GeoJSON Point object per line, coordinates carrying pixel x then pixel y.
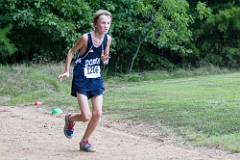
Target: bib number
{"type": "Point", "coordinates": [92, 71]}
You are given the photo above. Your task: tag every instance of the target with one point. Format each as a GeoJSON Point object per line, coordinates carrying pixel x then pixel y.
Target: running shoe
{"type": "Point", "coordinates": [68, 127]}
{"type": "Point", "coordinates": [86, 147]}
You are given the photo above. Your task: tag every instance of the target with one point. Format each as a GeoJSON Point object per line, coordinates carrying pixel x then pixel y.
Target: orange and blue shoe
{"type": "Point", "coordinates": [68, 127]}
{"type": "Point", "coordinates": [86, 147]}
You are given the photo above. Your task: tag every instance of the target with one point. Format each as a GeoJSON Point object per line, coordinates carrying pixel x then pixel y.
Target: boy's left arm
{"type": "Point", "coordinates": [105, 55]}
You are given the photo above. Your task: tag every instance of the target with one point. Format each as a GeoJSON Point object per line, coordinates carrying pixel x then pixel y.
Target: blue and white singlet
{"type": "Point", "coordinates": [87, 76]}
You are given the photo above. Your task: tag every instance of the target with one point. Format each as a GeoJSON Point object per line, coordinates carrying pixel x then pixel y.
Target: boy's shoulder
{"type": "Point", "coordinates": [109, 37]}
{"type": "Point", "coordinates": [84, 37]}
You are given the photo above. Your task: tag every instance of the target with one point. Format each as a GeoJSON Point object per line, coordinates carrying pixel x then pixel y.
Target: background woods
{"type": "Point", "coordinates": [147, 34]}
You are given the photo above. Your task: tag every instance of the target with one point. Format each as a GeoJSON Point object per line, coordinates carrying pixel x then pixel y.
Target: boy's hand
{"type": "Point", "coordinates": [63, 76]}
{"type": "Point", "coordinates": [105, 58]}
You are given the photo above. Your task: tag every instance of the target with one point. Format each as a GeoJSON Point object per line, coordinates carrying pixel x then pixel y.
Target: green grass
{"type": "Point", "coordinates": [199, 108]}
{"type": "Point", "coordinates": [202, 105]}
{"type": "Point", "coordinates": [22, 85]}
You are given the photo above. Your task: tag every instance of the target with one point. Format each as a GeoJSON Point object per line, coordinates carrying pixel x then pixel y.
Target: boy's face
{"type": "Point", "coordinates": [103, 24]}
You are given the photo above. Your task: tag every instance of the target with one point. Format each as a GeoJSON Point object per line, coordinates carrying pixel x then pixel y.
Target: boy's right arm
{"type": "Point", "coordinates": [71, 53]}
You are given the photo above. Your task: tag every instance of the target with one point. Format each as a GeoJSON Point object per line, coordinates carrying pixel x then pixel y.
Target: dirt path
{"type": "Point", "coordinates": [29, 133]}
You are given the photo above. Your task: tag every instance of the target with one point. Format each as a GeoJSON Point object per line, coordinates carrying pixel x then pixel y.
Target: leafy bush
{"type": "Point", "coordinates": [44, 29]}
{"type": "Point", "coordinates": [7, 48]}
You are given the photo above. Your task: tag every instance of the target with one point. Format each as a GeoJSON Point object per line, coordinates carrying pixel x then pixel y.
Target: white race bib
{"type": "Point", "coordinates": [92, 71]}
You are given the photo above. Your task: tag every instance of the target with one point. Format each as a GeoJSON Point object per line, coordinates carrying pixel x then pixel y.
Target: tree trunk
{"type": "Point", "coordinates": [135, 55]}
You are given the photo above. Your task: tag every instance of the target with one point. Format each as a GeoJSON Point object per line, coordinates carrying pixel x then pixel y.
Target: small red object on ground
{"type": "Point", "coordinates": [37, 103]}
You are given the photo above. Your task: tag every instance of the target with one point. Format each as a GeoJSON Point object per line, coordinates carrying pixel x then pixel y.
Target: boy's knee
{"type": "Point", "coordinates": [86, 117]}
{"type": "Point", "coordinates": [96, 115]}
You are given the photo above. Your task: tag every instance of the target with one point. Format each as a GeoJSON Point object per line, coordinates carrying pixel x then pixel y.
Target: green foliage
{"type": "Point", "coordinates": [169, 24]}
{"type": "Point", "coordinates": [172, 22]}
{"type": "Point", "coordinates": [7, 48]}
{"type": "Point", "coordinates": [139, 26]}
{"type": "Point", "coordinates": [147, 34]}
{"type": "Point", "coordinates": [220, 45]}
{"type": "Point", "coordinates": [44, 29]}
{"type": "Point", "coordinates": [203, 11]}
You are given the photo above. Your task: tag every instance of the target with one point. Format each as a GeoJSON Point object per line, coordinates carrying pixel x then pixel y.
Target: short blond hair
{"type": "Point", "coordinates": [99, 13]}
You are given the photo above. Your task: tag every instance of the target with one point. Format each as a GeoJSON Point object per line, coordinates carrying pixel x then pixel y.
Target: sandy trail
{"type": "Point", "coordinates": [31, 133]}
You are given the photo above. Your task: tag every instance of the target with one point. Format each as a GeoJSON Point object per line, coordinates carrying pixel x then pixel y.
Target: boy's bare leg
{"type": "Point", "coordinates": [97, 103]}
{"type": "Point", "coordinates": [85, 114]}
